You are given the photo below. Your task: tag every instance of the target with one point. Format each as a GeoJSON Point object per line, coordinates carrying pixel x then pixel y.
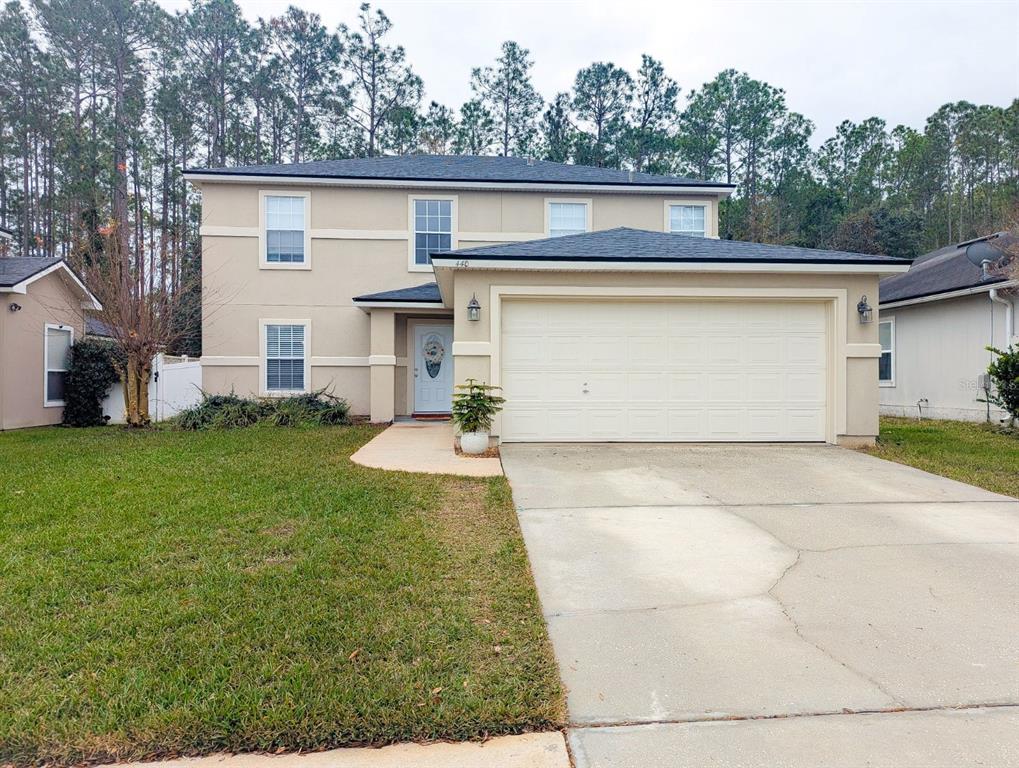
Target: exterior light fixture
{"type": "Point", "coordinates": [14, 307]}
{"type": "Point", "coordinates": [865, 311]}
{"type": "Point", "coordinates": [473, 309]}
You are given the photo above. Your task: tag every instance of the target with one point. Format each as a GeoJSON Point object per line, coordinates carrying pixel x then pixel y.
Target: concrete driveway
{"type": "Point", "coordinates": [773, 606]}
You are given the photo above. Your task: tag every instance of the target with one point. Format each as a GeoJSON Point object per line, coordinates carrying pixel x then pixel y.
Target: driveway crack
{"type": "Point", "coordinates": [800, 633]}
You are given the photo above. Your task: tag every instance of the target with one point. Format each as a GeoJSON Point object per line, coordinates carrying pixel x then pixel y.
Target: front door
{"type": "Point", "coordinates": [433, 368]}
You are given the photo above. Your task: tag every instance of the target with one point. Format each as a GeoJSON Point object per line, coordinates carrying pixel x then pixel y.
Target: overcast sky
{"type": "Point", "coordinates": [895, 59]}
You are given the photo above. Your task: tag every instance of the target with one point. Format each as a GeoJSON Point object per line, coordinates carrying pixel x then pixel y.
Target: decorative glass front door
{"type": "Point", "coordinates": [433, 368]}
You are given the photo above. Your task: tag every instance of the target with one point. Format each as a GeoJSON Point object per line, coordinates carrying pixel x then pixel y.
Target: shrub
{"type": "Point", "coordinates": [312, 408]}
{"type": "Point", "coordinates": [475, 405]}
{"type": "Point", "coordinates": [1004, 372]}
{"type": "Point", "coordinates": [91, 375]}
{"type": "Point", "coordinates": [228, 411]}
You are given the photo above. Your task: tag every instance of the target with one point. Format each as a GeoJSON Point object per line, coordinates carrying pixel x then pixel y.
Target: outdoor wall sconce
{"type": "Point", "coordinates": [14, 307]}
{"type": "Point", "coordinates": [473, 309]}
{"type": "Point", "coordinates": [865, 310]}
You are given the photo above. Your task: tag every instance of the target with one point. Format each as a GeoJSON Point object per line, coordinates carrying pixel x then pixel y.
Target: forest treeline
{"type": "Point", "coordinates": [103, 102]}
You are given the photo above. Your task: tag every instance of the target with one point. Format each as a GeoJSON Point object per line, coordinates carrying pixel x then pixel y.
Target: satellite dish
{"type": "Point", "coordinates": [982, 251]}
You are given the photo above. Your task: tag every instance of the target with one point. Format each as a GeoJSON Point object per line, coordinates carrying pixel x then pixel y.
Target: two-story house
{"type": "Point", "coordinates": [602, 301]}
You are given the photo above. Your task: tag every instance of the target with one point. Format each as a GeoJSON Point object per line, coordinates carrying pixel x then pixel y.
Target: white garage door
{"type": "Point", "coordinates": [681, 370]}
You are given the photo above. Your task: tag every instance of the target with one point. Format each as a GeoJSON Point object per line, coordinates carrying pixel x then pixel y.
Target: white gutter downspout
{"type": "Point", "coordinates": [1009, 314]}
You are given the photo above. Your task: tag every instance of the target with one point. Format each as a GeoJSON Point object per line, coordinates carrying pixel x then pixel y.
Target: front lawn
{"type": "Point", "coordinates": [973, 453]}
{"type": "Point", "coordinates": [178, 593]}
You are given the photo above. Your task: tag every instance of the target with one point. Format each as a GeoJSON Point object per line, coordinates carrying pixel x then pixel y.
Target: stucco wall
{"type": "Point", "coordinates": [360, 243]}
{"type": "Point", "coordinates": [22, 340]}
{"type": "Point", "coordinates": [940, 354]}
{"type": "Point", "coordinates": [853, 368]}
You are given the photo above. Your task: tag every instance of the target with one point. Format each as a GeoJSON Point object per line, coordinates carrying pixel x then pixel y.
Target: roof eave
{"type": "Point", "coordinates": [89, 301]}
{"type": "Point", "coordinates": [594, 264]}
{"type": "Point", "coordinates": [199, 177]}
{"type": "Point", "coordinates": [955, 293]}
{"type": "Point", "coordinates": [390, 304]}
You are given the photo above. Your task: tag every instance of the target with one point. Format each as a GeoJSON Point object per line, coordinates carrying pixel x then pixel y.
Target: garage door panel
{"type": "Point", "coordinates": [647, 387]}
{"type": "Point", "coordinates": [724, 349]}
{"type": "Point", "coordinates": [686, 387]}
{"type": "Point", "coordinates": [805, 349]}
{"type": "Point", "coordinates": [664, 370]}
{"type": "Point", "coordinates": [767, 387]}
{"type": "Point", "coordinates": [526, 386]}
{"type": "Point", "coordinates": [646, 424]}
{"type": "Point", "coordinates": [724, 387]}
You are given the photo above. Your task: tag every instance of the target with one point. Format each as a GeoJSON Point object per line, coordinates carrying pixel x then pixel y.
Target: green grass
{"type": "Point", "coordinates": [167, 593]}
{"type": "Point", "coordinates": [977, 454]}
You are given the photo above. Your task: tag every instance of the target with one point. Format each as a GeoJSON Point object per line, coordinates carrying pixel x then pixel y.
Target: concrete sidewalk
{"type": "Point", "coordinates": [422, 446]}
{"type": "Point", "coordinates": [532, 750]}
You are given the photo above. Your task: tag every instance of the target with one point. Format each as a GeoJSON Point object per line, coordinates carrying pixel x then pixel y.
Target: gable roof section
{"type": "Point", "coordinates": [18, 272]}
{"type": "Point", "coordinates": [637, 245]}
{"type": "Point", "coordinates": [503, 171]}
{"type": "Point", "coordinates": [17, 269]}
{"type": "Point", "coordinates": [945, 270]}
{"type": "Point", "coordinates": [6, 234]}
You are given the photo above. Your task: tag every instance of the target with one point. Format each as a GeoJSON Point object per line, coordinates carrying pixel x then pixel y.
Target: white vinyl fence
{"type": "Point", "coordinates": [175, 384]}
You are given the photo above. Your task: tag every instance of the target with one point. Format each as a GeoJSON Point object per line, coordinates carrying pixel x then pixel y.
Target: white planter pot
{"type": "Point", "coordinates": [474, 442]}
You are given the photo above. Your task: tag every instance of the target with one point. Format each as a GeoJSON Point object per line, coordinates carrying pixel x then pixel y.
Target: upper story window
{"type": "Point", "coordinates": [567, 218]}
{"type": "Point", "coordinates": [886, 366]}
{"type": "Point", "coordinates": [433, 228]}
{"type": "Point", "coordinates": [58, 360]}
{"type": "Point", "coordinates": [284, 229]}
{"type": "Point", "coordinates": [284, 357]}
{"type": "Point", "coordinates": [687, 220]}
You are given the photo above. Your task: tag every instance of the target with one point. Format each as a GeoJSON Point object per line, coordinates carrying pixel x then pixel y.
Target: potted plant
{"type": "Point", "coordinates": [473, 408]}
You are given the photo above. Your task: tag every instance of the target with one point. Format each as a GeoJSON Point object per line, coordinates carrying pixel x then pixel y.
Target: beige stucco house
{"type": "Point", "coordinates": [937, 321]}
{"type": "Point", "coordinates": [602, 301]}
{"type": "Point", "coordinates": [41, 315]}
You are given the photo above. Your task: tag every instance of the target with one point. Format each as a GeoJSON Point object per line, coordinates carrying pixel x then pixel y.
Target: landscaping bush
{"type": "Point", "coordinates": [1004, 372]}
{"type": "Point", "coordinates": [91, 375]}
{"type": "Point", "coordinates": [312, 408]}
{"type": "Point", "coordinates": [228, 411]}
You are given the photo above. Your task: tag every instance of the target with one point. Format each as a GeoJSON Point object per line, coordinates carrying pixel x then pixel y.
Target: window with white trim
{"type": "Point", "coordinates": [886, 366]}
{"type": "Point", "coordinates": [59, 339]}
{"type": "Point", "coordinates": [687, 220]}
{"type": "Point", "coordinates": [433, 228]}
{"type": "Point", "coordinates": [284, 229]}
{"type": "Point", "coordinates": [284, 358]}
{"type": "Point", "coordinates": [566, 219]}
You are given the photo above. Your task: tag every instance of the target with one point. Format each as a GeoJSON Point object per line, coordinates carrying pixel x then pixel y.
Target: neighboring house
{"type": "Point", "coordinates": [42, 313]}
{"type": "Point", "coordinates": [6, 241]}
{"type": "Point", "coordinates": [936, 322]}
{"type": "Point", "coordinates": [625, 318]}
{"type": "Point", "coordinates": [175, 382]}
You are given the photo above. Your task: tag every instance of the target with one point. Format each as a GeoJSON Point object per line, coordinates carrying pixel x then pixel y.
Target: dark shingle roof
{"type": "Point", "coordinates": [942, 271]}
{"type": "Point", "coordinates": [429, 292]}
{"type": "Point", "coordinates": [96, 327]}
{"type": "Point", "coordinates": [641, 245]}
{"type": "Point", "coordinates": [6, 233]}
{"type": "Point", "coordinates": [504, 170]}
{"type": "Point", "coordinates": [14, 269]}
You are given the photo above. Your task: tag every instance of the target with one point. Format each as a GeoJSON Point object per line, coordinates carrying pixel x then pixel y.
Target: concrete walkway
{"type": "Point", "coordinates": [776, 588]}
{"type": "Point", "coordinates": [422, 446]}
{"type": "Point", "coordinates": [533, 750]}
